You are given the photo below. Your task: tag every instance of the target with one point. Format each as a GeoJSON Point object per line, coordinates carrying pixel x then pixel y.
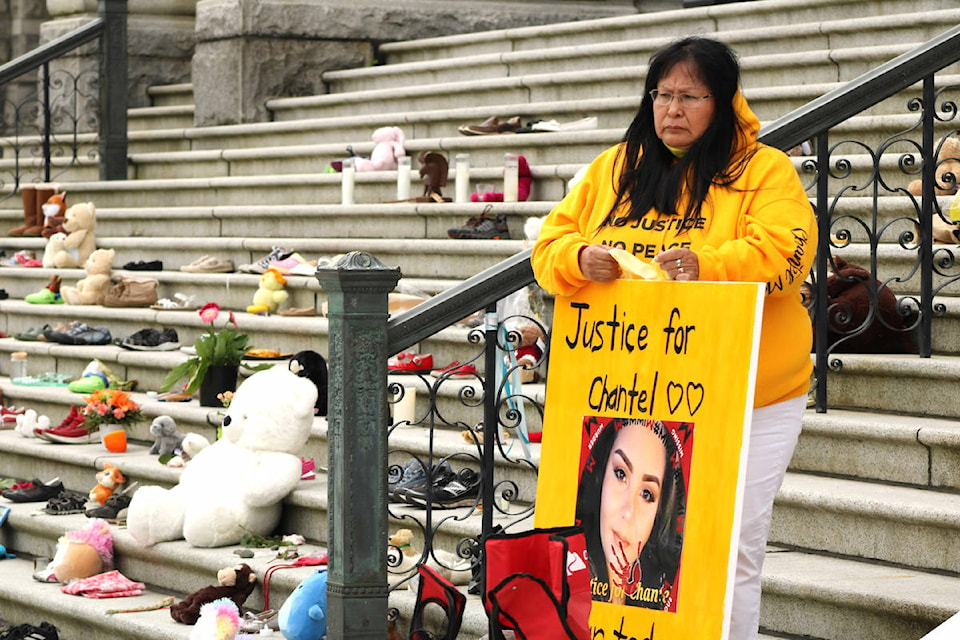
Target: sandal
{"type": "Point", "coordinates": [114, 510]}
{"type": "Point", "coordinates": [66, 503]}
{"type": "Point", "coordinates": [180, 302]}
{"type": "Point", "coordinates": [33, 334]}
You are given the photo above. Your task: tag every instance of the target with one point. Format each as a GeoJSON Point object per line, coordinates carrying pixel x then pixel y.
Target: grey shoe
{"type": "Point", "coordinates": [261, 265]}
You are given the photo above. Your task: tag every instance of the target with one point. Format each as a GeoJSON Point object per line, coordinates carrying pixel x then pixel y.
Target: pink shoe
{"type": "Point", "coordinates": [308, 469]}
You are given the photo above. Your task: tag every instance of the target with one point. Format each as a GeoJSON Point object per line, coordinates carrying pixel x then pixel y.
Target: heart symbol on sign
{"type": "Point", "coordinates": [694, 390]}
{"type": "Point", "coordinates": [674, 396]}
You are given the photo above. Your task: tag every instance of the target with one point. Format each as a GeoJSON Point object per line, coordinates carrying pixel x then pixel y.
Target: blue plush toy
{"type": "Point", "coordinates": [304, 614]}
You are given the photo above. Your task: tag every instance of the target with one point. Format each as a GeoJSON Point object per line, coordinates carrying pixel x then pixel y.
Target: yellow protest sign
{"type": "Point", "coordinates": [649, 399]}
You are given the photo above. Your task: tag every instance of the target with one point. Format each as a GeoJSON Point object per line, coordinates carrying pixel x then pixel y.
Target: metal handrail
{"type": "Point", "coordinates": [51, 50]}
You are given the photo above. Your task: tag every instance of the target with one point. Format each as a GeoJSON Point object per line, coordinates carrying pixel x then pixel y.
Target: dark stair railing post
{"type": "Point", "coordinates": [113, 90]}
{"type": "Point", "coordinates": [357, 286]}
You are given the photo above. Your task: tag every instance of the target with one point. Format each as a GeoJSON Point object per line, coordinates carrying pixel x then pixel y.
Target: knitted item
{"type": "Point", "coordinates": [111, 584]}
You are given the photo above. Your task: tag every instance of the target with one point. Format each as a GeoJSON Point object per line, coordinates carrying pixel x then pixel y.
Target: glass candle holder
{"type": "Point", "coordinates": [511, 177]}
{"type": "Point", "coordinates": [463, 177]}
{"type": "Point", "coordinates": [347, 182]}
{"type": "Point", "coordinates": [403, 177]}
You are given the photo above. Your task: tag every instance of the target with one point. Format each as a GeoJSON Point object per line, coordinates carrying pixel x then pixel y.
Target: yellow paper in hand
{"type": "Point", "coordinates": [636, 269]}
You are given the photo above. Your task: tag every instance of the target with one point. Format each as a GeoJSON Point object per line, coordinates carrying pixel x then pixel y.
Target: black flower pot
{"type": "Point", "coordinates": [219, 378]}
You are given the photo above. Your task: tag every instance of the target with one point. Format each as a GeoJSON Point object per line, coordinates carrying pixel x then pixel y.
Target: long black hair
{"type": "Point", "coordinates": [660, 556]}
{"type": "Point", "coordinates": [651, 176]}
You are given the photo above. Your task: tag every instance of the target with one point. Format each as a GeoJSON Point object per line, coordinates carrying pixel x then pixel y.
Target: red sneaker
{"type": "Point", "coordinates": [76, 435]}
{"type": "Point", "coordinates": [73, 420]}
{"type": "Point", "coordinates": [456, 369]}
{"type": "Point", "coordinates": [8, 415]}
{"type": "Point", "coordinates": [410, 363]}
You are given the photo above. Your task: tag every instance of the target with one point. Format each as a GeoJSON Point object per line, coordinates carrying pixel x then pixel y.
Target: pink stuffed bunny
{"type": "Point", "coordinates": [389, 147]}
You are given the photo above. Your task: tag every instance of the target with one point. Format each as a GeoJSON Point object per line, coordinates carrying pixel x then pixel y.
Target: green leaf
{"type": "Point", "coordinates": [182, 370]}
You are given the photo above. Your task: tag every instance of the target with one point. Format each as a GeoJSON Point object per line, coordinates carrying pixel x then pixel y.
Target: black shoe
{"type": "Point", "coordinates": [481, 228]}
{"type": "Point", "coordinates": [114, 509]}
{"type": "Point", "coordinates": [140, 265]}
{"type": "Point", "coordinates": [450, 490]}
{"type": "Point", "coordinates": [80, 334]}
{"type": "Point", "coordinates": [152, 340]}
{"type": "Point", "coordinates": [39, 492]}
{"type": "Point", "coordinates": [3, 294]}
{"type": "Point", "coordinates": [419, 481]}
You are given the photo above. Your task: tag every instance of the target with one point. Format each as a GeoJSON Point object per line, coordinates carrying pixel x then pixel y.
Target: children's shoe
{"type": "Point", "coordinates": [456, 369]}
{"type": "Point", "coordinates": [294, 264]}
{"type": "Point", "coordinates": [261, 265]}
{"type": "Point", "coordinates": [8, 415]}
{"type": "Point", "coordinates": [89, 383]}
{"type": "Point", "coordinates": [37, 491]}
{"type": "Point", "coordinates": [44, 296]}
{"type": "Point", "coordinates": [308, 469]}
{"type": "Point", "coordinates": [76, 435]}
{"type": "Point", "coordinates": [410, 363]}
{"type": "Point", "coordinates": [481, 228]}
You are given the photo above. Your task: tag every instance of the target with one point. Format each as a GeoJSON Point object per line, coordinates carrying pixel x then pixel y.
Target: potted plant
{"type": "Point", "coordinates": [214, 368]}
{"type": "Point", "coordinates": [110, 411]}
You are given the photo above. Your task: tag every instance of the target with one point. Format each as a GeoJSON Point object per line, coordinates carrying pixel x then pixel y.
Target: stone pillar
{"type": "Point", "coordinates": [160, 35]}
{"type": "Point", "coordinates": [357, 288]}
{"type": "Point", "coordinates": [248, 51]}
{"type": "Point", "coordinates": [19, 34]}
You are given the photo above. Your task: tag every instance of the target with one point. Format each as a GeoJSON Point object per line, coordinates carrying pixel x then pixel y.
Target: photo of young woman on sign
{"type": "Point", "coordinates": [631, 503]}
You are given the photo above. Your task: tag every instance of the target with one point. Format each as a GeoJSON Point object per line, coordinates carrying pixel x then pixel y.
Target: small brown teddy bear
{"type": "Point", "coordinates": [947, 174]}
{"type": "Point", "coordinates": [236, 583]}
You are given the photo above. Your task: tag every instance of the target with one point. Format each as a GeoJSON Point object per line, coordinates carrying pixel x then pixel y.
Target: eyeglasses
{"type": "Point", "coordinates": [664, 99]}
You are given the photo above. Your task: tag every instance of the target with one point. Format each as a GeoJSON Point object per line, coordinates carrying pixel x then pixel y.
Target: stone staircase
{"type": "Point", "coordinates": [862, 545]}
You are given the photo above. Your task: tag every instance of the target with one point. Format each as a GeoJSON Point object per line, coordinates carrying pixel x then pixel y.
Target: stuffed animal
{"type": "Point", "coordinates": [108, 479]}
{"type": "Point", "coordinates": [848, 307]}
{"type": "Point", "coordinates": [80, 225]}
{"type": "Point", "coordinates": [947, 173]}
{"type": "Point", "coordinates": [81, 553]}
{"type": "Point", "coordinates": [238, 481]}
{"type": "Point", "coordinates": [235, 583]}
{"type": "Point", "coordinates": [532, 344]}
{"type": "Point", "coordinates": [93, 288]}
{"type": "Point", "coordinates": [219, 620]}
{"type": "Point", "coordinates": [434, 168]}
{"type": "Point", "coordinates": [312, 366]}
{"type": "Point", "coordinates": [193, 443]}
{"type": "Point", "coordinates": [303, 615]}
{"type": "Point", "coordinates": [524, 181]}
{"type": "Point", "coordinates": [450, 566]}
{"type": "Point", "coordinates": [168, 439]}
{"type": "Point", "coordinates": [53, 210]}
{"type": "Point", "coordinates": [389, 147]}
{"type": "Point", "coordinates": [268, 297]}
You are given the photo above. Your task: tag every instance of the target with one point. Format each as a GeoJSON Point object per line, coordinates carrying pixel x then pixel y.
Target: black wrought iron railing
{"type": "Point", "coordinates": [73, 116]}
{"type": "Point", "coordinates": [868, 214]}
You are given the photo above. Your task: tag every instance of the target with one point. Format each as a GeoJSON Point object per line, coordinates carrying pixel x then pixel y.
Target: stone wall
{"type": "Point", "coordinates": [20, 22]}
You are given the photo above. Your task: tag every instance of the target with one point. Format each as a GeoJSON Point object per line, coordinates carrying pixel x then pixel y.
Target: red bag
{"type": "Point", "coordinates": [538, 584]}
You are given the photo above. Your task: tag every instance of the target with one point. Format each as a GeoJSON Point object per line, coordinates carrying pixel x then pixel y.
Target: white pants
{"type": "Point", "coordinates": [773, 437]}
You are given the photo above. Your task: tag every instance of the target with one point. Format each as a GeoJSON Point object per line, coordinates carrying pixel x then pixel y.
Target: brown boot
{"type": "Point", "coordinates": [43, 192]}
{"type": "Point", "coordinates": [28, 192]}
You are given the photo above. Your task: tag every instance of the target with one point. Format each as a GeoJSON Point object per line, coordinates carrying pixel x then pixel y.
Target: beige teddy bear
{"type": "Point", "coordinates": [268, 297]}
{"type": "Point", "coordinates": [80, 225]}
{"type": "Point", "coordinates": [93, 288]}
{"type": "Point", "coordinates": [947, 174]}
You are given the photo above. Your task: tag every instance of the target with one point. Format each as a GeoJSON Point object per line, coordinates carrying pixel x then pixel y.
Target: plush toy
{"type": "Point", "coordinates": [93, 288]}
{"type": "Point", "coordinates": [55, 246]}
{"type": "Point", "coordinates": [193, 443]}
{"type": "Point", "coordinates": [268, 297]}
{"type": "Point", "coordinates": [524, 180]}
{"type": "Point", "coordinates": [219, 620]}
{"type": "Point", "coordinates": [312, 366]}
{"type": "Point", "coordinates": [303, 615]}
{"type": "Point", "coordinates": [450, 566]}
{"type": "Point", "coordinates": [947, 173]}
{"type": "Point", "coordinates": [108, 479]}
{"type": "Point", "coordinates": [82, 553]}
{"type": "Point", "coordinates": [80, 225]}
{"type": "Point", "coordinates": [28, 421]}
{"type": "Point", "coordinates": [848, 307]}
{"type": "Point", "coordinates": [53, 210]}
{"type": "Point", "coordinates": [434, 168]}
{"type": "Point", "coordinates": [168, 439]}
{"type": "Point", "coordinates": [237, 482]}
{"type": "Point", "coordinates": [532, 344]}
{"type": "Point", "coordinates": [389, 147]}
{"type": "Point", "coordinates": [236, 583]}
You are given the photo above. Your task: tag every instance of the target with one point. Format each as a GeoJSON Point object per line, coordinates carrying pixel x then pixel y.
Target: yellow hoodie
{"type": "Point", "coordinates": [760, 229]}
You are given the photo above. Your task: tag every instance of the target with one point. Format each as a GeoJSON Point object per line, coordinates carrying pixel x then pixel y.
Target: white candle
{"type": "Point", "coordinates": [511, 178]}
{"type": "Point", "coordinates": [463, 177]}
{"type": "Point", "coordinates": [347, 182]}
{"type": "Point", "coordinates": [403, 177]}
{"type": "Point", "coordinates": [405, 408]}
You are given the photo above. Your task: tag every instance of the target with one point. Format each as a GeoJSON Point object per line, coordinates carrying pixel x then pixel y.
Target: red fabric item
{"type": "Point", "coordinates": [111, 584]}
{"type": "Point", "coordinates": [435, 589]}
{"type": "Point", "coordinates": [306, 561]}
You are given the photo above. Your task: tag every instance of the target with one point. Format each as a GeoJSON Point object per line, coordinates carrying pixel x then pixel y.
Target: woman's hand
{"type": "Point", "coordinates": [597, 264]}
{"type": "Point", "coordinates": [679, 264]}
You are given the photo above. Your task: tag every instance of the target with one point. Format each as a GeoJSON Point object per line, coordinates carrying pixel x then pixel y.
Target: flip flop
{"type": "Point", "coordinates": [174, 396]}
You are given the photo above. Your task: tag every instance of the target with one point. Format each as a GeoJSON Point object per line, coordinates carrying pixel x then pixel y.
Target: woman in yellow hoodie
{"type": "Point", "coordinates": [692, 189]}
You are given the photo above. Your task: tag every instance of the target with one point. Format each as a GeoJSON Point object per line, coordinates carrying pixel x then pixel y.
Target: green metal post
{"type": "Point", "coordinates": [113, 90]}
{"type": "Point", "coordinates": [357, 288]}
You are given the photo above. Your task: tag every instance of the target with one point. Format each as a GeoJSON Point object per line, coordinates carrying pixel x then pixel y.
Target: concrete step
{"type": "Point", "coordinates": [766, 42]}
{"type": "Point", "coordinates": [719, 18]}
{"type": "Point", "coordinates": [169, 95]}
{"type": "Point", "coordinates": [875, 518]}
{"type": "Point", "coordinates": [160, 117]}
{"type": "Point", "coordinates": [816, 596]}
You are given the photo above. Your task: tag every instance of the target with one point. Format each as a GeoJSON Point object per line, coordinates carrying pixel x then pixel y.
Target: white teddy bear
{"type": "Point", "coordinates": [239, 481]}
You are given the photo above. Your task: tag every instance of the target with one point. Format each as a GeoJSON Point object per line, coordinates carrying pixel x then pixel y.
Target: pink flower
{"type": "Point", "coordinates": [210, 312]}
{"type": "Point", "coordinates": [119, 414]}
{"type": "Point", "coordinates": [101, 409]}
